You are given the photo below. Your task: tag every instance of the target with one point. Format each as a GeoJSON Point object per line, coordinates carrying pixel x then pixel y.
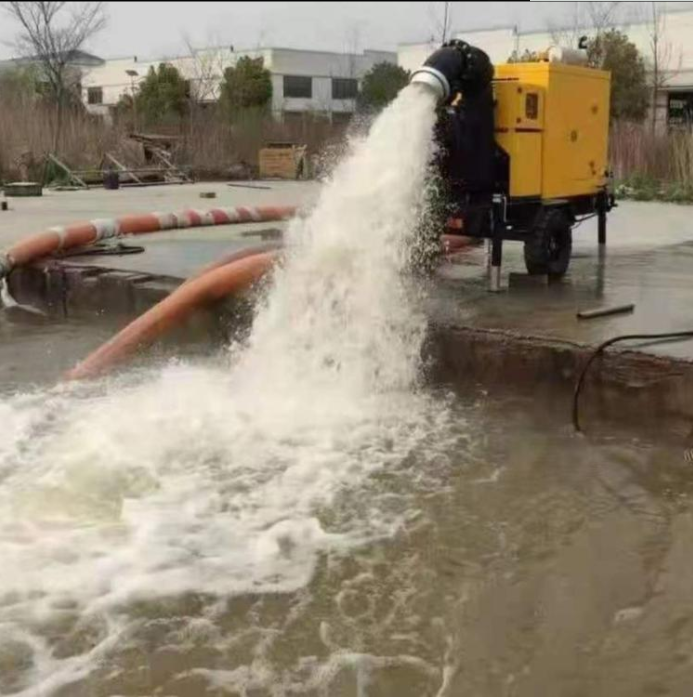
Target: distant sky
{"type": "Point", "coordinates": [150, 29]}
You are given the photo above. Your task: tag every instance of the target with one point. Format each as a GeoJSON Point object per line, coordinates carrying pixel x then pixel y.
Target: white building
{"type": "Point", "coordinates": [302, 81]}
{"type": "Point", "coordinates": [675, 101]}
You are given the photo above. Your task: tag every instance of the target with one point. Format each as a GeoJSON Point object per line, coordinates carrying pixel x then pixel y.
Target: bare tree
{"type": "Point", "coordinates": [603, 16]}
{"type": "Point", "coordinates": [662, 59]}
{"type": "Point", "coordinates": [569, 33]}
{"type": "Point", "coordinates": [50, 33]}
{"type": "Point", "coordinates": [205, 70]}
{"type": "Point", "coordinates": [352, 46]}
{"type": "Point", "coordinates": [593, 18]}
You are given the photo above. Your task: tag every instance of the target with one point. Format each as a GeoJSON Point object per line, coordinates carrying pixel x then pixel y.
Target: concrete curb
{"type": "Point", "coordinates": [63, 289]}
{"type": "Point", "coordinates": [625, 387]}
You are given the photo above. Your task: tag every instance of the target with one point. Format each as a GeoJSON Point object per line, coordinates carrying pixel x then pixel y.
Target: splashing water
{"type": "Point", "coordinates": [229, 477]}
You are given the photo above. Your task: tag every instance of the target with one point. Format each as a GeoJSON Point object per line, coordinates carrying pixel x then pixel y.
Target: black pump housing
{"type": "Point", "coordinates": [467, 69]}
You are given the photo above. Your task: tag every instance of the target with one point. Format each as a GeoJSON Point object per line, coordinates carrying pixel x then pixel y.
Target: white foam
{"type": "Point", "coordinates": [214, 478]}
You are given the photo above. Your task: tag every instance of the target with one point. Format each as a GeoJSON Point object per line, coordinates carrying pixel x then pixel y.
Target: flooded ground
{"type": "Point", "coordinates": [506, 556]}
{"type": "Point", "coordinates": [301, 514]}
{"type": "Point", "coordinates": [36, 350]}
{"type": "Point", "coordinates": [526, 561]}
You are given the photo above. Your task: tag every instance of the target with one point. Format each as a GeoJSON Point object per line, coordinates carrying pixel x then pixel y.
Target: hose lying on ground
{"type": "Point", "coordinates": [601, 348]}
{"type": "Point", "coordinates": [237, 256]}
{"type": "Point", "coordinates": [81, 234]}
{"type": "Point", "coordinates": [204, 289]}
{"type": "Point", "coordinates": [229, 274]}
{"type": "Point", "coordinates": [455, 243]}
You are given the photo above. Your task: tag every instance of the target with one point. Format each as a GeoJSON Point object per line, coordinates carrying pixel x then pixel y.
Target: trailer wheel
{"type": "Point", "coordinates": [548, 249]}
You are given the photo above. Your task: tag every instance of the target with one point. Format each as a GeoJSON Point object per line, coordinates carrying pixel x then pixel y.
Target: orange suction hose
{"type": "Point", "coordinates": [456, 243]}
{"type": "Point", "coordinates": [232, 273]}
{"type": "Point", "coordinates": [202, 290]}
{"type": "Point", "coordinates": [237, 256]}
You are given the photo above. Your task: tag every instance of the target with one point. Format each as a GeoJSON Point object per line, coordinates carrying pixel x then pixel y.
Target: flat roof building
{"type": "Point", "coordinates": [675, 96]}
{"type": "Point", "coordinates": [302, 81]}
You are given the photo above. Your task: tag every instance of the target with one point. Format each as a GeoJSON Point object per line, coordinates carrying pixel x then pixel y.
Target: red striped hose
{"type": "Point", "coordinates": [80, 234]}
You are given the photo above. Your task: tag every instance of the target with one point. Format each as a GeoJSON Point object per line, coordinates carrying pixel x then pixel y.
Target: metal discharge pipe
{"type": "Point", "coordinates": [456, 67]}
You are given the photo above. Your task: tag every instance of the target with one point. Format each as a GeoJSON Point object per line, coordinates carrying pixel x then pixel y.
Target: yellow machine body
{"type": "Point", "coordinates": [552, 120]}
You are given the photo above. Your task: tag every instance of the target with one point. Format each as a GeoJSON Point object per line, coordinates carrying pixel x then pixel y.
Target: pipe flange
{"type": "Point", "coordinates": [433, 78]}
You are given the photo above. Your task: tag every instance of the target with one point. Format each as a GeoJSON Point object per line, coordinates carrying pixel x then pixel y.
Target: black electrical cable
{"type": "Point", "coordinates": [583, 220]}
{"type": "Point", "coordinates": [600, 349]}
{"type": "Point", "coordinates": [118, 249]}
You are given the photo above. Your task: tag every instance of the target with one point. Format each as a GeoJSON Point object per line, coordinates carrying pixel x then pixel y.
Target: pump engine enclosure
{"type": "Point", "coordinates": [552, 121]}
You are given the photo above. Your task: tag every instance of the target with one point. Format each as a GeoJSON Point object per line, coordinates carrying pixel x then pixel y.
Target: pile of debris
{"type": "Point", "coordinates": [156, 166]}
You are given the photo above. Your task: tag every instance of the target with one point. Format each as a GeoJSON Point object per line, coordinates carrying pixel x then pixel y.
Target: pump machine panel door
{"type": "Point", "coordinates": [518, 106]}
{"type": "Point", "coordinates": [519, 122]}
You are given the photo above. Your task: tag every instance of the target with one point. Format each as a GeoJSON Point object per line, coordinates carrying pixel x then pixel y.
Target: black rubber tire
{"type": "Point", "coordinates": [550, 245]}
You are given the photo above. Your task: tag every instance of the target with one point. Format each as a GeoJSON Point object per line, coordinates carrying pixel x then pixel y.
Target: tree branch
{"type": "Point", "coordinates": [49, 33]}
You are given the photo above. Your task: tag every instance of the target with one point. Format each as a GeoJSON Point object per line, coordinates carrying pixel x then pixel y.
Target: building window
{"type": "Point", "coordinates": [344, 88]}
{"type": "Point", "coordinates": [298, 86]}
{"type": "Point", "coordinates": [95, 95]}
{"type": "Point", "coordinates": [680, 109]}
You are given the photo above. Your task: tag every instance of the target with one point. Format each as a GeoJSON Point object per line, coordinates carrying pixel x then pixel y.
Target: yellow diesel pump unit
{"type": "Point", "coordinates": [550, 121]}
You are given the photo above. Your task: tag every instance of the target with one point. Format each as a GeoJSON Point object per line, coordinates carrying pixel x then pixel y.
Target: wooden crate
{"type": "Point", "coordinates": [282, 161]}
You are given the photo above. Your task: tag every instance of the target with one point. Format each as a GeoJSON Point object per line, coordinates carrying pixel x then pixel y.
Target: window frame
{"type": "Point", "coordinates": [94, 90]}
{"type": "Point", "coordinates": [309, 82]}
{"type": "Point", "coordinates": [351, 81]}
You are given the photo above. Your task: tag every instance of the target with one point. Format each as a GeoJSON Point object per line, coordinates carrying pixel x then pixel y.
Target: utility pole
{"type": "Point", "coordinates": [446, 16]}
{"type": "Point", "coordinates": [133, 74]}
